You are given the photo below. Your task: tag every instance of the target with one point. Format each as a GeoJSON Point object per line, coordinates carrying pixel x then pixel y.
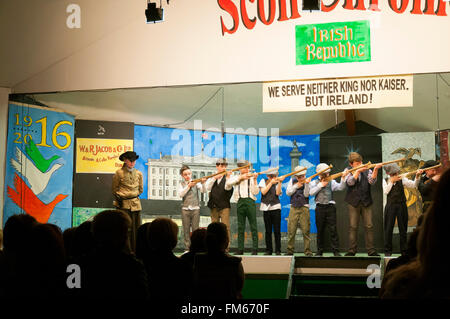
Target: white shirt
{"type": "Point", "coordinates": [351, 179]}
{"type": "Point", "coordinates": [316, 186]}
{"type": "Point", "coordinates": [264, 207]}
{"type": "Point", "coordinates": [387, 186]}
{"type": "Point", "coordinates": [210, 182]}
{"type": "Point", "coordinates": [243, 189]}
{"type": "Point", "coordinates": [183, 189]}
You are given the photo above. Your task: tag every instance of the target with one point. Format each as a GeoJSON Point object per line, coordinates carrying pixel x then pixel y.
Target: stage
{"type": "Point", "coordinates": [298, 276]}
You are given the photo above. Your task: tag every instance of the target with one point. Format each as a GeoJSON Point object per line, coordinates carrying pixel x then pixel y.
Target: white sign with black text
{"type": "Point", "coordinates": [341, 94]}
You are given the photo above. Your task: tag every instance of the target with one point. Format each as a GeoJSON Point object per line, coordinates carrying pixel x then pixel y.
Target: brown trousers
{"type": "Point", "coordinates": [223, 216]}
{"type": "Point", "coordinates": [135, 223]}
{"type": "Point", "coordinates": [354, 214]}
{"type": "Point", "coordinates": [299, 217]}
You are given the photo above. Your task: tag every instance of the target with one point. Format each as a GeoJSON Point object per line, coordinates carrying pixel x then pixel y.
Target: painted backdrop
{"type": "Point", "coordinates": [417, 148]}
{"type": "Point", "coordinates": [162, 151]}
{"type": "Point", "coordinates": [39, 164]}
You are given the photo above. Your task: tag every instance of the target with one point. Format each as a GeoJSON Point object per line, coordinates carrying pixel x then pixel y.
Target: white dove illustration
{"type": "Point", "coordinates": [38, 181]}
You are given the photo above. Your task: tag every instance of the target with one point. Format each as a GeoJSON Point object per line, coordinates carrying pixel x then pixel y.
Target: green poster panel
{"type": "Point", "coordinates": [338, 42]}
{"type": "Point", "coordinates": [82, 214]}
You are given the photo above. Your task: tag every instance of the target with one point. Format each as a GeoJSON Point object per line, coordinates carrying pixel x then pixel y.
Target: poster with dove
{"type": "Point", "coordinates": [39, 164]}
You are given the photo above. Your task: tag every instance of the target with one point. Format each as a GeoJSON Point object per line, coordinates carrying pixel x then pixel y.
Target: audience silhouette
{"type": "Point", "coordinates": [426, 276]}
{"type": "Point", "coordinates": [110, 270]}
{"type": "Point", "coordinates": [217, 275]}
{"type": "Point", "coordinates": [14, 270]}
{"type": "Point", "coordinates": [198, 245]}
{"type": "Point", "coordinates": [169, 277]}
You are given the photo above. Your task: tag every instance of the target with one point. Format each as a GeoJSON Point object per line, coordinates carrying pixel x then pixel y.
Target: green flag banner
{"type": "Point", "coordinates": [338, 42]}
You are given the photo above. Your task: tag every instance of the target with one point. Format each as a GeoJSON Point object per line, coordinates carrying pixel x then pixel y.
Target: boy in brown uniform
{"type": "Point", "coordinates": [127, 185]}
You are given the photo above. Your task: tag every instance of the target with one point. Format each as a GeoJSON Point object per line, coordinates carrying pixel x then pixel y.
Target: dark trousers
{"type": "Point", "coordinates": [326, 216]}
{"type": "Point", "coordinates": [246, 208]}
{"type": "Point", "coordinates": [272, 220]}
{"type": "Point", "coordinates": [391, 212]}
{"type": "Point", "coordinates": [135, 223]}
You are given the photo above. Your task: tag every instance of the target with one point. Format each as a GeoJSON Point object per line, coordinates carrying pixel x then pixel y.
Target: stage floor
{"type": "Point", "coordinates": [301, 255]}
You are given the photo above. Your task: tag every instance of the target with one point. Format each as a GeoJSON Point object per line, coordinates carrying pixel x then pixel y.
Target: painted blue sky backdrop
{"type": "Point", "coordinates": [263, 152]}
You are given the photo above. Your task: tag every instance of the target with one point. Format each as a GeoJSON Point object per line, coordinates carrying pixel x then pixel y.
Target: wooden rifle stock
{"type": "Point", "coordinates": [293, 173]}
{"type": "Point", "coordinates": [218, 173]}
{"type": "Point", "coordinates": [337, 175]}
{"type": "Point", "coordinates": [267, 171]}
{"type": "Point", "coordinates": [386, 163]}
{"type": "Point", "coordinates": [321, 172]}
{"type": "Point", "coordinates": [424, 169]}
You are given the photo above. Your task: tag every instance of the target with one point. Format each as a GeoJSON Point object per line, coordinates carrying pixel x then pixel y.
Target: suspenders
{"type": "Point", "coordinates": [248, 189]}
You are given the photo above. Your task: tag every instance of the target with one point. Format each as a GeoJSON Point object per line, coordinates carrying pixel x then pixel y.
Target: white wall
{"type": "Point", "coordinates": [4, 93]}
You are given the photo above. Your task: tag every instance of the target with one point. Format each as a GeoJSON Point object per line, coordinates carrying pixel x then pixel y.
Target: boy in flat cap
{"type": "Point", "coordinates": [298, 189]}
{"type": "Point", "coordinates": [220, 195]}
{"type": "Point", "coordinates": [127, 185]}
{"type": "Point", "coordinates": [396, 206]}
{"type": "Point", "coordinates": [428, 183]}
{"type": "Point", "coordinates": [326, 208]}
{"type": "Point", "coordinates": [245, 194]}
{"type": "Point", "coordinates": [271, 208]}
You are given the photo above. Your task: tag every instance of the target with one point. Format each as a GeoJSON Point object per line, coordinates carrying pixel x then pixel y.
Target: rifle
{"type": "Point", "coordinates": [424, 169]}
{"type": "Point", "coordinates": [321, 172]}
{"type": "Point", "coordinates": [386, 163]}
{"type": "Point", "coordinates": [269, 171]}
{"type": "Point", "coordinates": [337, 175]}
{"type": "Point", "coordinates": [219, 173]}
{"type": "Point", "coordinates": [292, 173]}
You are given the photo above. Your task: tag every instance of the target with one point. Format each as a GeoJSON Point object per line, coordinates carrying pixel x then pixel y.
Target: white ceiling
{"type": "Point", "coordinates": [243, 108]}
{"type": "Point", "coordinates": [27, 51]}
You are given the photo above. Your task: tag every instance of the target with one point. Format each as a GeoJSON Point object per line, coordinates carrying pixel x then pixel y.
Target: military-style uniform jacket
{"type": "Point", "coordinates": [127, 185]}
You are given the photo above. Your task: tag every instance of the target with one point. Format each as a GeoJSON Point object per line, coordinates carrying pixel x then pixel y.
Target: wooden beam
{"type": "Point", "coordinates": [350, 122]}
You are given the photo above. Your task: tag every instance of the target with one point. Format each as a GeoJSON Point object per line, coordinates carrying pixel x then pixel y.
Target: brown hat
{"type": "Point", "coordinates": [129, 155]}
{"type": "Point", "coordinates": [241, 163]}
{"type": "Point", "coordinates": [430, 163]}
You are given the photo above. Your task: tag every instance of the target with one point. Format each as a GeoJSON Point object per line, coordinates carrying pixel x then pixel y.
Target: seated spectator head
{"type": "Point", "coordinates": [216, 237]}
{"type": "Point", "coordinates": [162, 235]}
{"type": "Point", "coordinates": [433, 241]}
{"type": "Point", "coordinates": [84, 239]}
{"type": "Point", "coordinates": [17, 232]}
{"type": "Point", "coordinates": [110, 230]}
{"type": "Point", "coordinates": [142, 245]}
{"type": "Point", "coordinates": [198, 241]}
{"type": "Point", "coordinates": [69, 240]}
{"type": "Point", "coordinates": [47, 247]}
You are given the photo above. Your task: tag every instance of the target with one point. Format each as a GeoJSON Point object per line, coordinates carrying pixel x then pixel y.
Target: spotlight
{"type": "Point", "coordinates": [154, 14]}
{"type": "Point", "coordinates": [312, 5]}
